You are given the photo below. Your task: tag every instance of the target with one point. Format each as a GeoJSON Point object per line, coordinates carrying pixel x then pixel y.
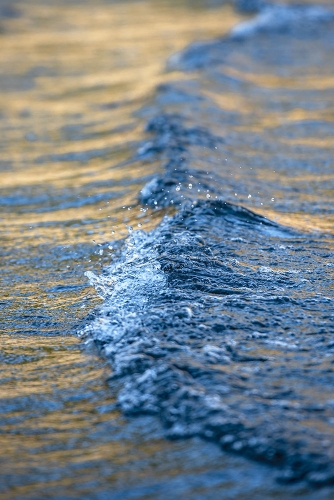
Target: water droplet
{"type": "Point", "coordinates": [208, 196]}
{"type": "Point", "coordinates": [177, 188]}
{"type": "Point", "coordinates": [190, 186]}
{"type": "Point", "coordinates": [140, 224]}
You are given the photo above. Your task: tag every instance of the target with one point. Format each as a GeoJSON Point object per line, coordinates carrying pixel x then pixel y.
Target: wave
{"type": "Point", "coordinates": [271, 20]}
{"type": "Point", "coordinates": [218, 321]}
{"type": "Point", "coordinates": [199, 324]}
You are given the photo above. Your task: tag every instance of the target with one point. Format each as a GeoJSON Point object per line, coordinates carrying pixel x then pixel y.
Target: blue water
{"type": "Point", "coordinates": [176, 214]}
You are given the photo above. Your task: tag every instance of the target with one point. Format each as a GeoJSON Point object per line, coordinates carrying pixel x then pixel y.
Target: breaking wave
{"type": "Point", "coordinates": [219, 320]}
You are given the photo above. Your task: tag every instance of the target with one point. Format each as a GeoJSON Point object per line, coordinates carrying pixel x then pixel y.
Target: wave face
{"type": "Point", "coordinates": [211, 322]}
{"type": "Point", "coordinates": [220, 321]}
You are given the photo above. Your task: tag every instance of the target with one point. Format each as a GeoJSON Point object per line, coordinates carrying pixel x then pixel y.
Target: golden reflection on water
{"type": "Point", "coordinates": [270, 80]}
{"type": "Point", "coordinates": [284, 136]}
{"type": "Point", "coordinates": [75, 74]}
{"type": "Point", "coordinates": [72, 77]}
{"type": "Point", "coordinates": [87, 66]}
{"type": "Point", "coordinates": [58, 419]}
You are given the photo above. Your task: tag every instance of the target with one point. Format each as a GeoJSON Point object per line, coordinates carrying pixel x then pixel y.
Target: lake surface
{"type": "Point", "coordinates": [209, 321]}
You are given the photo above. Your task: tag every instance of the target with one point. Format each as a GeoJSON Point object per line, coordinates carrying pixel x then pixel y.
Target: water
{"type": "Point", "coordinates": [216, 321]}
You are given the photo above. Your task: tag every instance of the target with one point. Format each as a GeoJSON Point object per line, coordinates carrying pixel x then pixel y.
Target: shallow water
{"type": "Point", "coordinates": [62, 437]}
{"type": "Point", "coordinates": [73, 75]}
{"type": "Point", "coordinates": [90, 122]}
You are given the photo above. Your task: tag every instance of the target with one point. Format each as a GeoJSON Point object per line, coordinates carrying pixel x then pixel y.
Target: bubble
{"type": "Point", "coordinates": [177, 188]}
{"type": "Point", "coordinates": [190, 186]}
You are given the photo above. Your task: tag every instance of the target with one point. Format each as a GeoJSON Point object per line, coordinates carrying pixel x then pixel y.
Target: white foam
{"type": "Point", "coordinates": [277, 18]}
{"type": "Point", "coordinates": [127, 287]}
